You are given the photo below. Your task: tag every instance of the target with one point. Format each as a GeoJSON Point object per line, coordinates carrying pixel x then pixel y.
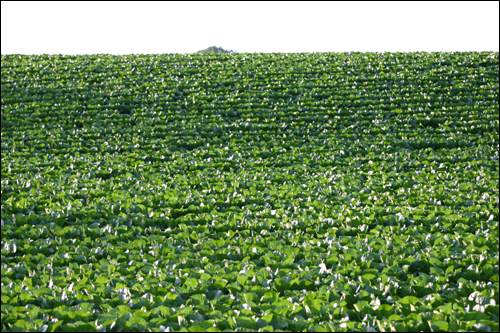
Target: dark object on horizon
{"type": "Point", "coordinates": [215, 49]}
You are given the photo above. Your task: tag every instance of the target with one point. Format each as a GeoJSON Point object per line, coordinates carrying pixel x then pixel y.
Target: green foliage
{"type": "Point", "coordinates": [262, 192]}
{"type": "Point", "coordinates": [215, 49]}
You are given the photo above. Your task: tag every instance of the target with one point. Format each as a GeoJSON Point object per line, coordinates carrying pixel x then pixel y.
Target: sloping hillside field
{"type": "Point", "coordinates": [250, 192]}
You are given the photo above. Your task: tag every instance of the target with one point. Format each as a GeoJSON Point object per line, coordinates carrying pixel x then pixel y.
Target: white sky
{"type": "Point", "coordinates": [67, 27]}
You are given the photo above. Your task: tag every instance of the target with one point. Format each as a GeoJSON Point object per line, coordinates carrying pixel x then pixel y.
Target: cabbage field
{"type": "Point", "coordinates": [250, 192]}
